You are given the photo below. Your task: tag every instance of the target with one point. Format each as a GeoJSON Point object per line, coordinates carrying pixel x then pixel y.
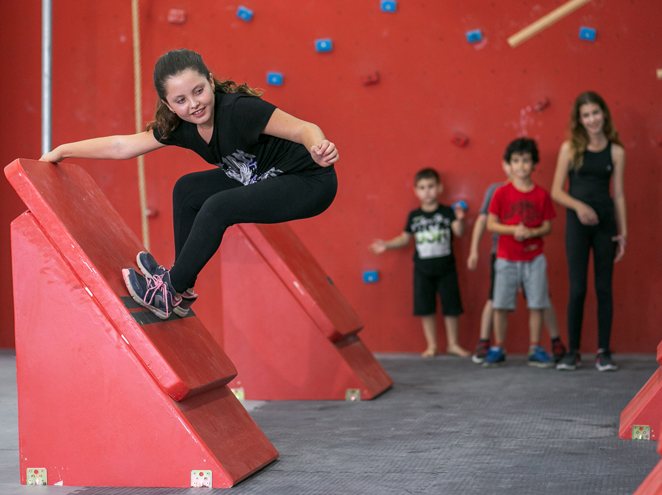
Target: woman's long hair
{"type": "Point", "coordinates": [172, 63]}
{"type": "Point", "coordinates": [578, 134]}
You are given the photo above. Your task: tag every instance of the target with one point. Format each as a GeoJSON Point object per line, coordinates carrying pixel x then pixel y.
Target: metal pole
{"type": "Point", "coordinates": [46, 64]}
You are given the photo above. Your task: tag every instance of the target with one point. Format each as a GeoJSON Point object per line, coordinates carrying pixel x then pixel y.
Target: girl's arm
{"type": "Point", "coordinates": [476, 236]}
{"type": "Point", "coordinates": [109, 147]}
{"type": "Point", "coordinates": [618, 157]}
{"type": "Point", "coordinates": [286, 126]}
{"type": "Point", "coordinates": [379, 246]}
{"type": "Point", "coordinates": [585, 213]}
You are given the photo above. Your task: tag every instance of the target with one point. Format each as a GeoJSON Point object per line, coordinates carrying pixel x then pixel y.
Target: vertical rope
{"type": "Point", "coordinates": [137, 89]}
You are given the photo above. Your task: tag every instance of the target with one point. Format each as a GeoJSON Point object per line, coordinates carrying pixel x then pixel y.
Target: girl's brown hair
{"type": "Point", "coordinates": [578, 134]}
{"type": "Point", "coordinates": [172, 63]}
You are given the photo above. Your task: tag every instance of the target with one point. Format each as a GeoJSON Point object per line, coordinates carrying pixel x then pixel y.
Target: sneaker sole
{"type": "Point", "coordinates": [540, 365]}
{"type": "Point", "coordinates": [182, 313]}
{"type": "Point", "coordinates": [160, 314]}
{"type": "Point", "coordinates": [477, 360]}
{"type": "Point", "coordinates": [606, 368]}
{"type": "Point", "coordinates": [566, 367]}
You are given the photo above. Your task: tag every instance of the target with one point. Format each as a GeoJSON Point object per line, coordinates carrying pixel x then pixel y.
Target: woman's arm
{"type": "Point", "coordinates": [585, 213]}
{"type": "Point", "coordinates": [618, 157]}
{"type": "Point", "coordinates": [109, 147]}
{"type": "Point", "coordinates": [286, 126]}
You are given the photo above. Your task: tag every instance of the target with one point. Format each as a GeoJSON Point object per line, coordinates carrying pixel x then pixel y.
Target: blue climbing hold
{"type": "Point", "coordinates": [244, 13]}
{"type": "Point", "coordinates": [370, 276]}
{"type": "Point", "coordinates": [461, 204]}
{"type": "Point", "coordinates": [389, 6]}
{"type": "Point", "coordinates": [323, 45]}
{"type": "Point", "coordinates": [474, 36]}
{"type": "Point", "coordinates": [274, 78]}
{"type": "Point", "coordinates": [587, 33]}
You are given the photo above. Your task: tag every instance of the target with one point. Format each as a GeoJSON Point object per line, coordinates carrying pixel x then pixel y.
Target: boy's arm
{"type": "Point", "coordinates": [494, 225]}
{"type": "Point", "coordinates": [544, 229]}
{"type": "Point", "coordinates": [109, 147]}
{"type": "Point", "coordinates": [476, 236]}
{"type": "Point", "coordinates": [379, 246]}
{"type": "Point", "coordinates": [457, 225]}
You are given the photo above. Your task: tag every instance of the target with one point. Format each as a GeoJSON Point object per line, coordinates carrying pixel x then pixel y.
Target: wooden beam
{"type": "Point", "coordinates": [545, 21]}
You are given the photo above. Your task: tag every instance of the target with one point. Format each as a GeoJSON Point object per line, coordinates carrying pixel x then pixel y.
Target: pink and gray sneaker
{"type": "Point", "coordinates": [155, 293]}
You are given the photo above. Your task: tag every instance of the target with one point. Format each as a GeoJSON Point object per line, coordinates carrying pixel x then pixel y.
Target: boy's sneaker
{"type": "Point", "coordinates": [558, 349]}
{"type": "Point", "coordinates": [184, 307]}
{"type": "Point", "coordinates": [603, 361]}
{"type": "Point", "coordinates": [481, 351]}
{"type": "Point", "coordinates": [495, 357]}
{"type": "Point", "coordinates": [570, 362]}
{"type": "Point", "coordinates": [538, 357]}
{"type": "Point", "coordinates": [155, 293]}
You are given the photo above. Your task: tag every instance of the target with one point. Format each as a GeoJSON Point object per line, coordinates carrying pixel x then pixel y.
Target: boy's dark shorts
{"type": "Point", "coordinates": [426, 288]}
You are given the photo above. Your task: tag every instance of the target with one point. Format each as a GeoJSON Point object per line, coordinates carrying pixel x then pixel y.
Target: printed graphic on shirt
{"type": "Point", "coordinates": [242, 167]}
{"type": "Point", "coordinates": [525, 211]}
{"type": "Point", "coordinates": [433, 235]}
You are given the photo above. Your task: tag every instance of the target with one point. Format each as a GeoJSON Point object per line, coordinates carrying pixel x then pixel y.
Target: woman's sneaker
{"type": "Point", "coordinates": [538, 357]}
{"type": "Point", "coordinates": [558, 349]}
{"type": "Point", "coordinates": [570, 362]}
{"type": "Point", "coordinates": [147, 264]}
{"type": "Point", "coordinates": [481, 351]}
{"type": "Point", "coordinates": [155, 293]}
{"type": "Point", "coordinates": [603, 361]}
{"type": "Point", "coordinates": [184, 307]}
{"type": "Point", "coordinates": [495, 357]}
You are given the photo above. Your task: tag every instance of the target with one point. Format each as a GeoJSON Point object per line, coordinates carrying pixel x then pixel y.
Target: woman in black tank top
{"type": "Point", "coordinates": [594, 220]}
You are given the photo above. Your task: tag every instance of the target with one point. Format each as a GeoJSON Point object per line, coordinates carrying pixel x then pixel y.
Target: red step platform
{"type": "Point", "coordinates": [289, 330]}
{"type": "Point", "coordinates": [642, 417]}
{"type": "Point", "coordinates": [108, 394]}
{"type": "Point", "coordinates": [652, 485]}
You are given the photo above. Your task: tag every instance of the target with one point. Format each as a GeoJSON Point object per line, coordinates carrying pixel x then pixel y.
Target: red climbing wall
{"type": "Point", "coordinates": [432, 85]}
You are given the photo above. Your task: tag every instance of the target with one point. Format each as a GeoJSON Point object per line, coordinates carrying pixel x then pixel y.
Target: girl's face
{"type": "Point", "coordinates": [592, 118]}
{"type": "Point", "coordinates": [191, 96]}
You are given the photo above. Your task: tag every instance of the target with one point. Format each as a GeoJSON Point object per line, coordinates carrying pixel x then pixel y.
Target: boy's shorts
{"type": "Point", "coordinates": [426, 288]}
{"type": "Point", "coordinates": [531, 275]}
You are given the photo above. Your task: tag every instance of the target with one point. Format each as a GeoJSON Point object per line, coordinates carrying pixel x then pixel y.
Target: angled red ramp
{"type": "Point", "coordinates": [642, 417]}
{"type": "Point", "coordinates": [288, 328]}
{"type": "Point", "coordinates": [109, 395]}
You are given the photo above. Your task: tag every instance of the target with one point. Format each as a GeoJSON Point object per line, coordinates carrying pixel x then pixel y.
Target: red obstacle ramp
{"type": "Point", "coordinates": [642, 417]}
{"type": "Point", "coordinates": [108, 394]}
{"type": "Point", "coordinates": [652, 485]}
{"type": "Point", "coordinates": [289, 330]}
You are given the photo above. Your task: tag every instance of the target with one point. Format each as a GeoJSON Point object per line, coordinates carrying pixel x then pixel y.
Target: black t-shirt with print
{"type": "Point", "coordinates": [434, 239]}
{"type": "Point", "coordinates": [237, 144]}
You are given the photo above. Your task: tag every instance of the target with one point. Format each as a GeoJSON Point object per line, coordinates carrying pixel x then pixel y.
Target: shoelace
{"type": "Point", "coordinates": [155, 284]}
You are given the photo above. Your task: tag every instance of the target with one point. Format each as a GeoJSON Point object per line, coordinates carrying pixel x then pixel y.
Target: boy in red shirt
{"type": "Point", "coordinates": [521, 213]}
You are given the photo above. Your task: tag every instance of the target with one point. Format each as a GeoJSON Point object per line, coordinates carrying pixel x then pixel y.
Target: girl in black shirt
{"type": "Point", "coordinates": [594, 220]}
{"type": "Point", "coordinates": [271, 167]}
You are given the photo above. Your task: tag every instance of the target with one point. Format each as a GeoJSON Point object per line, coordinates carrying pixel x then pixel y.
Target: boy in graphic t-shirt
{"type": "Point", "coordinates": [521, 213]}
{"type": "Point", "coordinates": [432, 225]}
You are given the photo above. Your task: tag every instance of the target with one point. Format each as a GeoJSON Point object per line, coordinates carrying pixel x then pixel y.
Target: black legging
{"type": "Point", "coordinates": [206, 203]}
{"type": "Point", "coordinates": [579, 240]}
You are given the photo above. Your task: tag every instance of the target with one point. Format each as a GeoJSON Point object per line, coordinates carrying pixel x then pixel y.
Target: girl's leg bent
{"type": "Point", "coordinates": [274, 200]}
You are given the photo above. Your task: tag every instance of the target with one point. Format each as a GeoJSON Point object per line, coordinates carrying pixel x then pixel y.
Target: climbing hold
{"type": "Point", "coordinates": [370, 276]}
{"type": "Point", "coordinates": [587, 33]}
{"type": "Point", "coordinates": [460, 204]}
{"type": "Point", "coordinates": [372, 78]}
{"type": "Point", "coordinates": [389, 6]}
{"type": "Point", "coordinates": [541, 105]}
{"type": "Point", "coordinates": [460, 140]}
{"type": "Point", "coordinates": [323, 45]}
{"type": "Point", "coordinates": [244, 13]}
{"type": "Point", "coordinates": [176, 16]}
{"type": "Point", "coordinates": [274, 78]}
{"type": "Point", "coordinates": [474, 36]}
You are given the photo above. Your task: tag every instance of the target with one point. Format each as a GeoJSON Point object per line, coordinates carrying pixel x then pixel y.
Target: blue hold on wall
{"type": "Point", "coordinates": [274, 78]}
{"type": "Point", "coordinates": [323, 45]}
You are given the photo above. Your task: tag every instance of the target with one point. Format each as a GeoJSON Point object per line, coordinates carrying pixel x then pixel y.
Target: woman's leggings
{"type": "Point", "coordinates": [206, 203]}
{"type": "Point", "coordinates": [579, 240]}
